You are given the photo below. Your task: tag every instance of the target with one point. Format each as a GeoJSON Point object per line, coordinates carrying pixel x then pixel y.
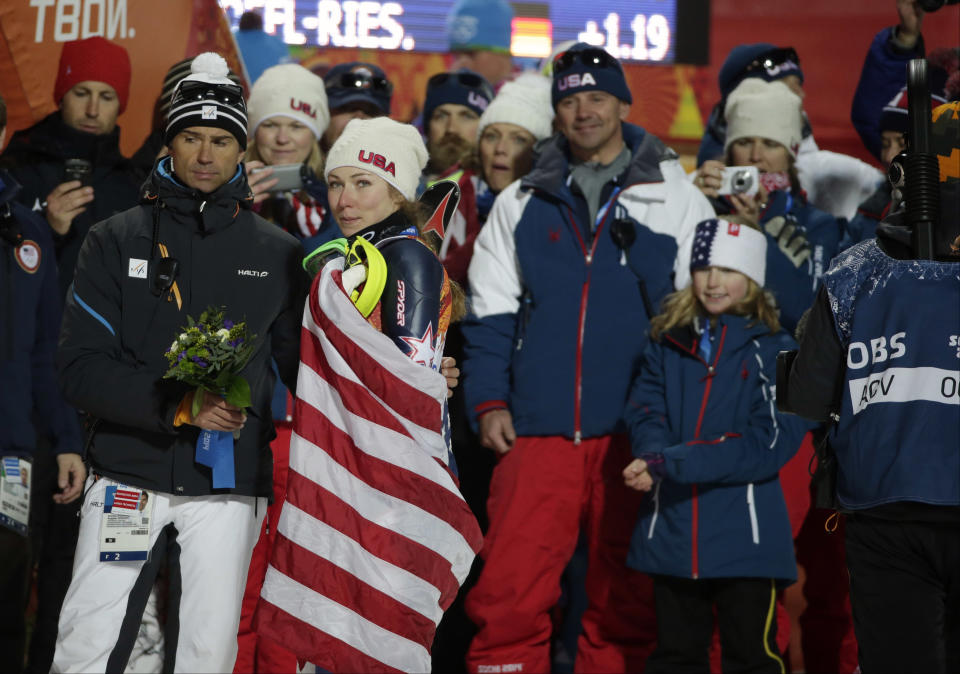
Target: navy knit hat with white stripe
{"type": "Point", "coordinates": [719, 243]}
{"type": "Point", "coordinates": [207, 97]}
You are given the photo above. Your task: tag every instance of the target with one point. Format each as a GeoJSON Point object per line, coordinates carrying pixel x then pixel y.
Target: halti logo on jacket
{"type": "Point", "coordinates": [252, 272]}
{"type": "Point", "coordinates": [576, 80]}
{"type": "Point", "coordinates": [379, 161]}
{"type": "Point", "coordinates": [305, 108]}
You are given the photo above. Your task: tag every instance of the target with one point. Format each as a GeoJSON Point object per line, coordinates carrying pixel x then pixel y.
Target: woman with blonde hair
{"type": "Point", "coordinates": [372, 492]}
{"type": "Point", "coordinates": [372, 173]}
{"type": "Point", "coordinates": [287, 116]}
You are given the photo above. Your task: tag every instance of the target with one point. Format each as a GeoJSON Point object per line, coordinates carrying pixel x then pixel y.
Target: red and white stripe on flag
{"type": "Point", "coordinates": [125, 498]}
{"type": "Point", "coordinates": [374, 538]}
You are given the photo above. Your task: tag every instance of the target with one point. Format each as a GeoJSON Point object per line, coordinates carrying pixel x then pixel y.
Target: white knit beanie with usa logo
{"type": "Point", "coordinates": [384, 147]}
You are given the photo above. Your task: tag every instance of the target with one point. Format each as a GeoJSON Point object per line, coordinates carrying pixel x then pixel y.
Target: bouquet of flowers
{"type": "Point", "coordinates": [208, 355]}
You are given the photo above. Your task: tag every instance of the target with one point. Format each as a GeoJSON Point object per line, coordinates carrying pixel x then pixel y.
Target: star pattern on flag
{"type": "Point", "coordinates": [422, 349]}
{"type": "Point", "coordinates": [703, 243]}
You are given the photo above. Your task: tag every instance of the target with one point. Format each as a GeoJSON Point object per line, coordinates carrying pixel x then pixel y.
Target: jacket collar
{"type": "Point", "coordinates": [209, 212]}
{"type": "Point", "coordinates": [552, 168]}
{"type": "Point", "coordinates": [53, 139]}
{"type": "Point", "coordinates": [393, 226]}
{"type": "Point", "coordinates": [686, 338]}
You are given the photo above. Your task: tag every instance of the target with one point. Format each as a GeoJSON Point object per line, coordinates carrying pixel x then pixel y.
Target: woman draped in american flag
{"type": "Point", "coordinates": [374, 538]}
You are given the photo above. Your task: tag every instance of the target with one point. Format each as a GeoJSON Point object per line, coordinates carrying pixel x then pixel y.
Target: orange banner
{"type": "Point", "coordinates": [156, 35]}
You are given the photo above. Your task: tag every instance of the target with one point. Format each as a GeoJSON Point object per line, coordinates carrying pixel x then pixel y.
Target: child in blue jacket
{"type": "Point", "coordinates": [709, 443]}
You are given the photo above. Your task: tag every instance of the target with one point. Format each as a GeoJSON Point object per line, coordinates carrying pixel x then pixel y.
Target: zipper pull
{"type": "Point", "coordinates": [623, 258]}
{"type": "Point", "coordinates": [577, 437]}
{"type": "Point", "coordinates": [589, 258]}
{"type": "Point", "coordinates": [202, 204]}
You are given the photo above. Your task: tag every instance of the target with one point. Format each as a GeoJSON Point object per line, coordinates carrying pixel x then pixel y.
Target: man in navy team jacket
{"type": "Point", "coordinates": [566, 273]}
{"type": "Point", "coordinates": [30, 308]}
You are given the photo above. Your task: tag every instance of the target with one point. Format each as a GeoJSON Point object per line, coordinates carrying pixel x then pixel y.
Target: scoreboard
{"type": "Point", "coordinates": [631, 30]}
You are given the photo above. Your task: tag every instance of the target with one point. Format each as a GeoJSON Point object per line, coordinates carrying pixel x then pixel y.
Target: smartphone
{"type": "Point", "coordinates": [740, 180]}
{"type": "Point", "coordinates": [78, 169]}
{"type": "Point", "coordinates": [289, 177]}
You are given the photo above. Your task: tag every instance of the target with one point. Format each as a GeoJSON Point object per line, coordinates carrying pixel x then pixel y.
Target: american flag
{"type": "Point", "coordinates": [126, 498]}
{"type": "Point", "coordinates": [703, 243]}
{"type": "Point", "coordinates": [374, 539]}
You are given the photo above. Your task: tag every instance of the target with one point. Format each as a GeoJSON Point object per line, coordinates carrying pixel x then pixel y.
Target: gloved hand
{"type": "Point", "coordinates": [353, 277]}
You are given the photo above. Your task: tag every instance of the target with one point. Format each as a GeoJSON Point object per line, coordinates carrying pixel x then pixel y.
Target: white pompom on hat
{"type": "Point", "coordinates": [289, 90]}
{"type": "Point", "coordinates": [766, 110]}
{"type": "Point", "coordinates": [384, 147]}
{"type": "Point", "coordinates": [525, 102]}
{"type": "Point", "coordinates": [209, 67]}
{"type": "Point", "coordinates": [219, 104]}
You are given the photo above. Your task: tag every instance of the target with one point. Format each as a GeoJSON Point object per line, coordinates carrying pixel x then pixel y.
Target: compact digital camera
{"type": "Point", "coordinates": [740, 180]}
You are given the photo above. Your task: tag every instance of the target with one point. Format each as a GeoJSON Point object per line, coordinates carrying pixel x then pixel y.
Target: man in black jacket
{"type": "Point", "coordinates": [91, 90]}
{"type": "Point", "coordinates": [191, 244]}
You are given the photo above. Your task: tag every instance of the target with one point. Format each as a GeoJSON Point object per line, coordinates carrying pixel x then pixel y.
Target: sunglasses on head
{"type": "Point", "coordinates": [592, 58]}
{"type": "Point", "coordinates": [192, 90]}
{"type": "Point", "coordinates": [361, 80]}
{"type": "Point", "coordinates": [775, 61]}
{"type": "Point", "coordinates": [466, 79]}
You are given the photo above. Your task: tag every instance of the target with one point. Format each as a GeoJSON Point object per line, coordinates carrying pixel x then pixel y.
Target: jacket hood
{"type": "Point", "coordinates": [51, 139]}
{"type": "Point", "coordinates": [211, 212]}
{"type": "Point", "coordinates": [553, 164]}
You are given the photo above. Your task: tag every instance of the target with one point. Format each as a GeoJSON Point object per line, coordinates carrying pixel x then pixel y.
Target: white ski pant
{"type": "Point", "coordinates": [207, 542]}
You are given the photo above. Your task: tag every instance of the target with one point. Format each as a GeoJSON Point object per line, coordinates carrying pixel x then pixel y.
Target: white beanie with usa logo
{"type": "Point", "coordinates": [289, 90]}
{"type": "Point", "coordinates": [384, 147]}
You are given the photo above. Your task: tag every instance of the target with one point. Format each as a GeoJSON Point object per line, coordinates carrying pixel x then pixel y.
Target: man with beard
{"type": "Point", "coordinates": [451, 115]}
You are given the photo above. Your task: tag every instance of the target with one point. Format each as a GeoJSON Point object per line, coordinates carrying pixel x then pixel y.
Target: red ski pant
{"type": "Point", "coordinates": [542, 493]}
{"type": "Point", "coordinates": [256, 654]}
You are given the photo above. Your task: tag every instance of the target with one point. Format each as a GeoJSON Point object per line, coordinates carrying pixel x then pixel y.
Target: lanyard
{"type": "Point", "coordinates": [601, 214]}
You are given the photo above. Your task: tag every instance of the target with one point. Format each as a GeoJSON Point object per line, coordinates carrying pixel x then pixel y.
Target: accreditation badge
{"type": "Point", "coordinates": [15, 480]}
{"type": "Point", "coordinates": [125, 524]}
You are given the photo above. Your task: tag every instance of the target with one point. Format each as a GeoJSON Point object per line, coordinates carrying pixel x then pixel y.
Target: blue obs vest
{"type": "Point", "coordinates": [898, 438]}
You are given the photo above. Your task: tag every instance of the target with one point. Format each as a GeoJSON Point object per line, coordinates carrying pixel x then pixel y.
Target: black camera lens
{"type": "Point", "coordinates": [742, 181]}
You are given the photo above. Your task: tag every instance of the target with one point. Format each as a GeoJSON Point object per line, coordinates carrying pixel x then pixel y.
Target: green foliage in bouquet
{"type": "Point", "coordinates": [209, 354]}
